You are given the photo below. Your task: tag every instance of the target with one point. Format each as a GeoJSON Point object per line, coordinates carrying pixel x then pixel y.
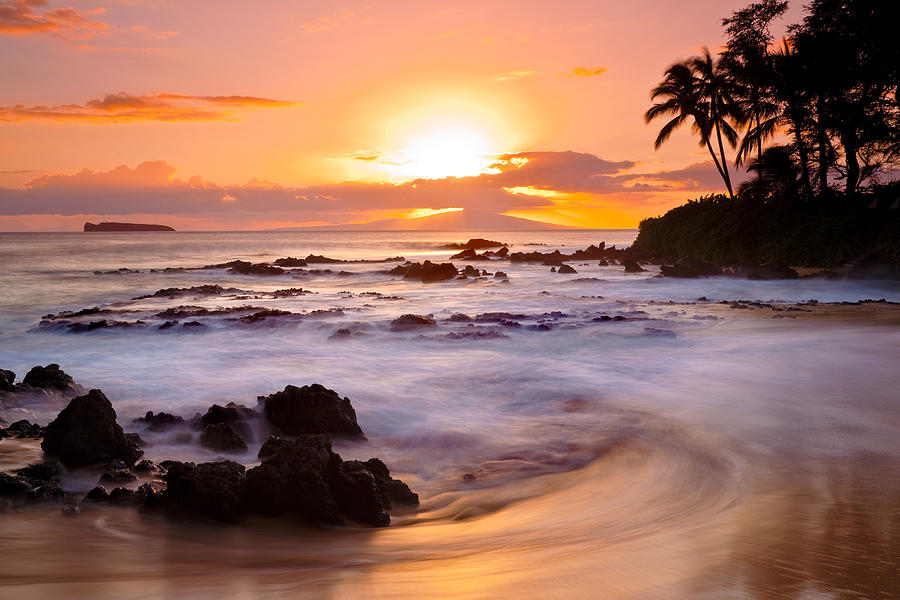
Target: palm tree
{"type": "Point", "coordinates": [778, 178]}
{"type": "Point", "coordinates": [696, 89]}
{"type": "Point", "coordinates": [791, 113]}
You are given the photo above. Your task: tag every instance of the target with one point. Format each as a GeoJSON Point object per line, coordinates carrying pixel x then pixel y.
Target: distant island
{"type": "Point", "coordinates": [125, 227]}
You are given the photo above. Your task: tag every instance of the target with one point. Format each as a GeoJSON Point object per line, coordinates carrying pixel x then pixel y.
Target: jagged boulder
{"type": "Point", "coordinates": [159, 421]}
{"type": "Point", "coordinates": [86, 432]}
{"type": "Point", "coordinates": [223, 438]}
{"type": "Point", "coordinates": [215, 490]}
{"type": "Point", "coordinates": [426, 272]}
{"type": "Point", "coordinates": [631, 266]}
{"type": "Point", "coordinates": [7, 380]}
{"type": "Point", "coordinates": [410, 321]}
{"type": "Point", "coordinates": [310, 409]}
{"type": "Point", "coordinates": [49, 377]}
{"type": "Point", "coordinates": [566, 269]}
{"type": "Point", "coordinates": [305, 477]}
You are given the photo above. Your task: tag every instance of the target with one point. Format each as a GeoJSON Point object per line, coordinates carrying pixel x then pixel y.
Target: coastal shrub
{"type": "Point", "coordinates": [823, 233]}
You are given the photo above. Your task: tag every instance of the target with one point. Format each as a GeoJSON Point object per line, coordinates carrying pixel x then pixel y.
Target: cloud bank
{"type": "Point", "coordinates": [524, 182]}
{"type": "Point", "coordinates": [160, 106]}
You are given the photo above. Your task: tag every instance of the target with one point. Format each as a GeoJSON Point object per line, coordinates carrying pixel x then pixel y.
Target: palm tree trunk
{"type": "Point", "coordinates": [822, 139]}
{"type": "Point", "coordinates": [715, 159]}
{"type": "Point", "coordinates": [804, 163]}
{"type": "Point", "coordinates": [724, 164]}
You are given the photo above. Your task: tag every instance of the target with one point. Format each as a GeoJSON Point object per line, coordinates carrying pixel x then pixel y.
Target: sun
{"type": "Point", "coordinates": [451, 151]}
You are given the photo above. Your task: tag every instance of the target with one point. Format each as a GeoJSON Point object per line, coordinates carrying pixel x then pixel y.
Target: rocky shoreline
{"type": "Point", "coordinates": [299, 474]}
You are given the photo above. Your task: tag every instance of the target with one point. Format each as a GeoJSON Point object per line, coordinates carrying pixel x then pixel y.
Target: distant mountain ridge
{"type": "Point", "coordinates": [106, 226]}
{"type": "Point", "coordinates": [443, 221]}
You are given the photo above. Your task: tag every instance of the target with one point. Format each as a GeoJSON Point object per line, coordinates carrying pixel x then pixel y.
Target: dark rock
{"type": "Point", "coordinates": [168, 325]}
{"type": "Point", "coordinates": [215, 489]}
{"type": "Point", "coordinates": [118, 476]}
{"type": "Point", "coordinates": [231, 414]}
{"type": "Point", "coordinates": [39, 473]}
{"type": "Point", "coordinates": [46, 492]}
{"type": "Point", "coordinates": [245, 268]}
{"type": "Point", "coordinates": [197, 290]}
{"type": "Point", "coordinates": [409, 321]}
{"type": "Point", "coordinates": [470, 271]}
{"type": "Point", "coordinates": [467, 254]}
{"type": "Point", "coordinates": [690, 269]}
{"type": "Point", "coordinates": [223, 438]}
{"type": "Point", "coordinates": [553, 269]}
{"type": "Point", "coordinates": [98, 494]}
{"type": "Point", "coordinates": [356, 493]}
{"type": "Point", "coordinates": [263, 314]}
{"type": "Point", "coordinates": [394, 489]}
{"type": "Point", "coordinates": [305, 477]}
{"type": "Point", "coordinates": [86, 432]}
{"type": "Point", "coordinates": [426, 272]}
{"type": "Point", "coordinates": [317, 258]}
{"type": "Point", "coordinates": [194, 325]}
{"type": "Point", "coordinates": [290, 261]}
{"type": "Point", "coordinates": [50, 376]}
{"type": "Point", "coordinates": [475, 244]}
{"type": "Point", "coordinates": [13, 484]}
{"type": "Point", "coordinates": [500, 275]}
{"type": "Point", "coordinates": [631, 266]}
{"type": "Point", "coordinates": [566, 269]}
{"type": "Point", "coordinates": [125, 497]}
{"type": "Point", "coordinates": [771, 272]}
{"type": "Point", "coordinates": [147, 466]}
{"type": "Point", "coordinates": [293, 480]}
{"type": "Point", "coordinates": [459, 318]}
{"type": "Point", "coordinates": [7, 380]}
{"type": "Point", "coordinates": [603, 263]}
{"type": "Point", "coordinates": [23, 429]}
{"type": "Point", "coordinates": [340, 334]}
{"type": "Point", "coordinates": [159, 421]}
{"type": "Point", "coordinates": [310, 409]}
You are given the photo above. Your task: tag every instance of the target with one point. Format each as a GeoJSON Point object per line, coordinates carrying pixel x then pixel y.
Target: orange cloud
{"type": "Point", "coordinates": [512, 75]}
{"type": "Point", "coordinates": [21, 17]}
{"type": "Point", "coordinates": [124, 107]}
{"type": "Point", "coordinates": [584, 72]}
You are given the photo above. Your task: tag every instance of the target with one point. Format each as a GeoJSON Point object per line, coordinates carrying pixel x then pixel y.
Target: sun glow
{"type": "Point", "coordinates": [451, 151]}
{"type": "Point", "coordinates": [420, 213]}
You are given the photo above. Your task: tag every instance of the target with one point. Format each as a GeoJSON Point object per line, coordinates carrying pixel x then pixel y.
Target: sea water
{"type": "Point", "coordinates": [688, 449]}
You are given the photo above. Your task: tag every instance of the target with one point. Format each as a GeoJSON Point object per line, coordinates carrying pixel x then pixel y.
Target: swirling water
{"type": "Point", "coordinates": [691, 450]}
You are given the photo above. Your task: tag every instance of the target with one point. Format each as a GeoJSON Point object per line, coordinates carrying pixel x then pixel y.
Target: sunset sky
{"type": "Point", "coordinates": [239, 115]}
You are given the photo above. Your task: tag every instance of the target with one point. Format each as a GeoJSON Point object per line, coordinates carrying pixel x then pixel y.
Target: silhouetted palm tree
{"type": "Point", "coordinates": [778, 177]}
{"type": "Point", "coordinates": [696, 90]}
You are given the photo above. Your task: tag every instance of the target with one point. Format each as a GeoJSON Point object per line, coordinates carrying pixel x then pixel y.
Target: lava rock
{"type": "Point", "coordinates": [223, 438]}
{"type": "Point", "coordinates": [294, 480]}
{"type": "Point", "coordinates": [159, 421]}
{"type": "Point", "coordinates": [97, 494]}
{"type": "Point", "coordinates": [631, 266]}
{"type": "Point", "coordinates": [23, 429]}
{"type": "Point", "coordinates": [214, 489]}
{"type": "Point", "coordinates": [242, 267]}
{"type": "Point", "coordinates": [426, 272]}
{"type": "Point", "coordinates": [7, 380]}
{"type": "Point", "coordinates": [86, 432]}
{"type": "Point", "coordinates": [410, 321]}
{"type": "Point", "coordinates": [690, 269]}
{"type": "Point", "coordinates": [290, 261]}
{"type": "Point", "coordinates": [117, 476]}
{"type": "Point", "coordinates": [310, 409]}
{"type": "Point", "coordinates": [12, 484]}
{"type": "Point", "coordinates": [566, 269]}
{"type": "Point", "coordinates": [147, 466]}
{"type": "Point", "coordinates": [50, 376]}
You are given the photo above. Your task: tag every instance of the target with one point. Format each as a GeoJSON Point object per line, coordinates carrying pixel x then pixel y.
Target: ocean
{"type": "Point", "coordinates": [630, 436]}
